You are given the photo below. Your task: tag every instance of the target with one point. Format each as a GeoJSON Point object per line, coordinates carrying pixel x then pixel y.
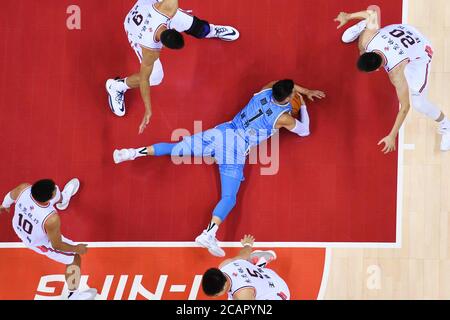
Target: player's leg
{"type": "Point", "coordinates": [417, 75]}
{"type": "Point", "coordinates": [201, 29]}
{"type": "Point", "coordinates": [230, 188]}
{"type": "Point", "coordinates": [73, 269]}
{"type": "Point", "coordinates": [73, 276]}
{"type": "Point", "coordinates": [117, 88]}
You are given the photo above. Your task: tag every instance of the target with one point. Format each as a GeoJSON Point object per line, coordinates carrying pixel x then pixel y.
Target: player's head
{"type": "Point", "coordinates": [213, 282]}
{"type": "Point", "coordinates": [43, 190]}
{"type": "Point", "coordinates": [172, 39]}
{"type": "Point", "coordinates": [370, 61]}
{"type": "Point", "coordinates": [283, 91]}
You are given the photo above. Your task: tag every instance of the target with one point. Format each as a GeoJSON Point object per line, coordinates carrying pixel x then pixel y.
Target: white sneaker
{"type": "Point", "coordinates": [262, 258]}
{"type": "Point", "coordinates": [445, 142]}
{"type": "Point", "coordinates": [210, 243]}
{"type": "Point", "coordinates": [89, 294]}
{"type": "Point", "coordinates": [225, 33]}
{"type": "Point", "coordinates": [352, 33]}
{"type": "Point", "coordinates": [124, 155]}
{"type": "Point", "coordinates": [116, 98]}
{"type": "Point", "coordinates": [70, 189]}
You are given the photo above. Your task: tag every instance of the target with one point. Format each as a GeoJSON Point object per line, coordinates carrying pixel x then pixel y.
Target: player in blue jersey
{"type": "Point", "coordinates": [229, 144]}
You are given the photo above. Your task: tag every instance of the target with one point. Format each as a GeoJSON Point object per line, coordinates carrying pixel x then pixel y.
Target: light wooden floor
{"type": "Point", "coordinates": [421, 268]}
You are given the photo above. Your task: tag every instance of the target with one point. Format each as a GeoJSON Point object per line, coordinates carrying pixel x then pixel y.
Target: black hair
{"type": "Point", "coordinates": [282, 90]}
{"type": "Point", "coordinates": [42, 190]}
{"type": "Point", "coordinates": [369, 61]}
{"type": "Point", "coordinates": [172, 39]}
{"type": "Point", "coordinates": [213, 282]}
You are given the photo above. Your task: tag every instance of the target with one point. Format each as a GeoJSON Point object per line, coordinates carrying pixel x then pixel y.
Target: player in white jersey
{"type": "Point", "coordinates": [406, 55]}
{"type": "Point", "coordinates": [37, 223]}
{"type": "Point", "coordinates": [150, 26]}
{"type": "Point", "coordinates": [246, 277]}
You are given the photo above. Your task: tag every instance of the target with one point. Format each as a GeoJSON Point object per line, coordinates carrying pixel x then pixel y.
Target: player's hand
{"type": "Point", "coordinates": [315, 94]}
{"type": "Point", "coordinates": [248, 240]}
{"type": "Point", "coordinates": [145, 121]}
{"type": "Point", "coordinates": [81, 248]}
{"type": "Point", "coordinates": [342, 18]}
{"type": "Point", "coordinates": [389, 144]}
{"type": "Point", "coordinates": [3, 208]}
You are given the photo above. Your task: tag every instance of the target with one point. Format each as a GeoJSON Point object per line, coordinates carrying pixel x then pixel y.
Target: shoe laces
{"type": "Point", "coordinates": [120, 96]}
{"type": "Point", "coordinates": [220, 30]}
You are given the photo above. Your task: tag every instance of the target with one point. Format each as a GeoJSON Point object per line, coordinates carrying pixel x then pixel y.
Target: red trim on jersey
{"type": "Point", "coordinates": [45, 219]}
{"type": "Point", "coordinates": [426, 79]}
{"type": "Point", "coordinates": [46, 249]}
{"type": "Point", "coordinates": [367, 45]}
{"type": "Point", "coordinates": [399, 63]}
{"type": "Point", "coordinates": [31, 196]}
{"type": "Point", "coordinates": [20, 194]}
{"type": "Point", "coordinates": [156, 31]}
{"type": "Point", "coordinates": [154, 7]}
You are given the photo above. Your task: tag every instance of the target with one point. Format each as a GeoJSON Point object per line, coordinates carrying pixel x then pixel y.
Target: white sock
{"type": "Point", "coordinates": [141, 152]}
{"type": "Point", "coordinates": [212, 229]}
{"type": "Point", "coordinates": [72, 292]}
{"type": "Point", "coordinates": [121, 85]}
{"type": "Point", "coordinates": [212, 32]}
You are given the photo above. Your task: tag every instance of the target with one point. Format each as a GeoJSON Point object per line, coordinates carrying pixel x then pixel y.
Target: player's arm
{"type": "Point", "coordinates": [148, 59]}
{"type": "Point", "coordinates": [247, 243]}
{"type": "Point", "coordinates": [245, 294]}
{"type": "Point", "coordinates": [53, 228]}
{"type": "Point", "coordinates": [398, 79]}
{"type": "Point", "coordinates": [269, 85]}
{"type": "Point", "coordinates": [372, 17]}
{"type": "Point", "coordinates": [310, 94]}
{"type": "Point", "coordinates": [12, 196]}
{"type": "Point", "coordinates": [299, 127]}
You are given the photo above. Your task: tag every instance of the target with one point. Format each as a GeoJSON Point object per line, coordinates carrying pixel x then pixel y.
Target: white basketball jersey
{"type": "Point", "coordinates": [267, 284]}
{"type": "Point", "coordinates": [400, 42]}
{"type": "Point", "coordinates": [29, 219]}
{"type": "Point", "coordinates": [142, 24]}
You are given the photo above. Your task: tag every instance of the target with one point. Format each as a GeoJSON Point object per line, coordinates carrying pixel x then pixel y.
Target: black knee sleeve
{"type": "Point", "coordinates": [200, 28]}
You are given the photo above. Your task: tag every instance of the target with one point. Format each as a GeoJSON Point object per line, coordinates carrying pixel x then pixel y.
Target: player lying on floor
{"type": "Point", "coordinates": [406, 55]}
{"type": "Point", "coordinates": [229, 144]}
{"type": "Point", "coordinates": [150, 26]}
{"type": "Point", "coordinates": [246, 277]}
{"type": "Point", "coordinates": [37, 223]}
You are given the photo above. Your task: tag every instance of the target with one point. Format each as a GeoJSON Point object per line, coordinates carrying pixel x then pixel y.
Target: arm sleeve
{"type": "Point", "coordinates": [302, 125]}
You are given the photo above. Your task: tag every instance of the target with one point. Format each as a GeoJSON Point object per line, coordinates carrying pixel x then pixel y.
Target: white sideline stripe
{"type": "Point", "coordinates": [325, 276]}
{"type": "Point", "coordinates": [409, 147]}
{"type": "Point", "coordinates": [317, 245]}
{"type": "Point", "coordinates": [405, 11]}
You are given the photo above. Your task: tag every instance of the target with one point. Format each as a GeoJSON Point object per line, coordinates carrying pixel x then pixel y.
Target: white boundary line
{"type": "Point", "coordinates": [316, 245]}
{"type": "Point", "coordinates": [325, 275]}
{"type": "Point", "coordinates": [328, 245]}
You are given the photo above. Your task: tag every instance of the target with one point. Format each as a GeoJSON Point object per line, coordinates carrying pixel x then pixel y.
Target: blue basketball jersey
{"type": "Point", "coordinates": [258, 119]}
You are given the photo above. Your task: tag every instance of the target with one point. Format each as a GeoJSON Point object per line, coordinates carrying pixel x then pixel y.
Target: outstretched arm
{"type": "Point", "coordinates": [398, 79]}
{"type": "Point", "coordinates": [148, 59]}
{"type": "Point", "coordinates": [310, 94]}
{"type": "Point", "coordinates": [53, 228]}
{"type": "Point", "coordinates": [371, 16]}
{"type": "Point", "coordinates": [12, 196]}
{"type": "Point", "coordinates": [247, 243]}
